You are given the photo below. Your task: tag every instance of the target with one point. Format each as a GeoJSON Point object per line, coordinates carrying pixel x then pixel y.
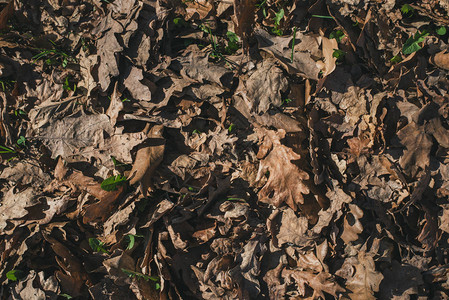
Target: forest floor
{"type": "Point", "coordinates": [195, 149]}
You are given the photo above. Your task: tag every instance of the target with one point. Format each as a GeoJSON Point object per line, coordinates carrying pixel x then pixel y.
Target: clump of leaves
{"type": "Point", "coordinates": [337, 34]}
{"type": "Point", "coordinates": [97, 245]}
{"type": "Point", "coordinates": [412, 43]}
{"type": "Point", "coordinates": [15, 275]}
{"type": "Point", "coordinates": [113, 182]}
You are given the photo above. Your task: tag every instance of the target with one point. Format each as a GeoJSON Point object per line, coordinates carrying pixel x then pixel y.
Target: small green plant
{"type": "Point", "coordinates": [139, 275]}
{"type": "Point", "coordinates": [53, 56]}
{"type": "Point", "coordinates": [22, 141]}
{"type": "Point", "coordinates": [216, 53]}
{"type": "Point", "coordinates": [263, 5]}
{"type": "Point", "coordinates": [97, 245]}
{"type": "Point", "coordinates": [196, 131]}
{"type": "Point", "coordinates": [7, 84]}
{"type": "Point", "coordinates": [412, 43]}
{"type": "Point", "coordinates": [337, 34]}
{"type": "Point", "coordinates": [7, 150]}
{"type": "Point", "coordinates": [441, 30]}
{"type": "Point", "coordinates": [67, 86]}
{"type": "Point", "coordinates": [396, 59]}
{"type": "Point", "coordinates": [111, 183]}
{"type": "Point", "coordinates": [407, 11]}
{"type": "Point", "coordinates": [233, 42]}
{"type": "Point", "coordinates": [20, 113]}
{"type": "Point", "coordinates": [180, 23]}
{"type": "Point", "coordinates": [277, 22]}
{"type": "Point", "coordinates": [67, 296]}
{"type": "Point", "coordinates": [286, 101]}
{"type": "Point", "coordinates": [15, 275]}
{"type": "Point", "coordinates": [338, 54]}
{"type": "Point", "coordinates": [231, 127]}
{"type": "Point", "coordinates": [131, 238]}
{"type": "Point", "coordinates": [322, 17]}
{"type": "Point", "coordinates": [118, 163]}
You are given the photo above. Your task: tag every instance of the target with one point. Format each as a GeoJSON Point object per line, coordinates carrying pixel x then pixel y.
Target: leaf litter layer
{"type": "Point", "coordinates": [197, 149]}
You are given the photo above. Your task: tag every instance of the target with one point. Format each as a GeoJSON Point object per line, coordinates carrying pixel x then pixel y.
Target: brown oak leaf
{"type": "Point", "coordinates": [286, 181]}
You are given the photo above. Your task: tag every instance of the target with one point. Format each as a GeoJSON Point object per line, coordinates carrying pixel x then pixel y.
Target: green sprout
{"type": "Point", "coordinates": [286, 101]}
{"type": "Point", "coordinates": [412, 43]}
{"type": "Point", "coordinates": [338, 54]}
{"type": "Point", "coordinates": [441, 30]}
{"type": "Point", "coordinates": [132, 240]}
{"type": "Point", "coordinates": [277, 22]}
{"type": "Point", "coordinates": [396, 59]}
{"type": "Point", "coordinates": [233, 42]}
{"type": "Point", "coordinates": [22, 141]}
{"type": "Point", "coordinates": [407, 11]}
{"type": "Point", "coordinates": [67, 86]}
{"type": "Point", "coordinates": [337, 34]}
{"type": "Point", "coordinates": [139, 275]}
{"type": "Point", "coordinates": [263, 5]}
{"type": "Point", "coordinates": [97, 245]}
{"type": "Point", "coordinates": [111, 183]}
{"type": "Point", "coordinates": [322, 17]}
{"type": "Point", "coordinates": [15, 275]}
{"type": "Point", "coordinates": [53, 56]}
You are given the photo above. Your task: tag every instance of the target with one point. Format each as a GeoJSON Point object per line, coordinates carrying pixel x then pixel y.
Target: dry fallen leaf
{"type": "Point", "coordinates": [441, 60]}
{"type": "Point", "coordinates": [321, 282]}
{"type": "Point", "coordinates": [286, 181]}
{"type": "Point", "coordinates": [105, 205]}
{"type": "Point", "coordinates": [148, 157]}
{"type": "Point", "coordinates": [361, 276]}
